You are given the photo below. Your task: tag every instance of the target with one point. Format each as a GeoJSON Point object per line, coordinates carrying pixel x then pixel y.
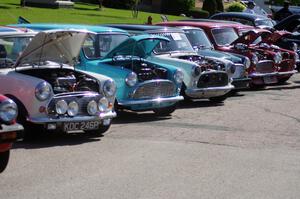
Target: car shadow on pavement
{"type": "Point", "coordinates": [198, 104]}
{"type": "Point", "coordinates": [56, 139]}
{"type": "Point", "coordinates": [125, 117]}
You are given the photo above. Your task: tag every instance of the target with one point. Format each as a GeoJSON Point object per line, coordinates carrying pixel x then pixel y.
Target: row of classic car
{"type": "Point", "coordinates": [66, 77]}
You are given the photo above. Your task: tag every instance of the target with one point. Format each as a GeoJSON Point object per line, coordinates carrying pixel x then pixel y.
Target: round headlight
{"type": "Point", "coordinates": [103, 104]}
{"type": "Point", "coordinates": [109, 88]}
{"type": "Point", "coordinates": [247, 62]}
{"type": "Point", "coordinates": [8, 111]}
{"type": "Point", "coordinates": [131, 79]}
{"type": "Point", "coordinates": [73, 108]}
{"type": "Point", "coordinates": [294, 46]}
{"type": "Point", "coordinates": [277, 58]}
{"type": "Point", "coordinates": [196, 71]}
{"type": "Point", "coordinates": [178, 76]}
{"type": "Point", "coordinates": [43, 91]}
{"type": "Point", "coordinates": [61, 107]}
{"type": "Point", "coordinates": [254, 58]}
{"type": "Point", "coordinates": [92, 107]}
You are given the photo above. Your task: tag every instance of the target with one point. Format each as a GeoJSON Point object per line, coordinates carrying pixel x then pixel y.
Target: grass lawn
{"type": "Point", "coordinates": [80, 14]}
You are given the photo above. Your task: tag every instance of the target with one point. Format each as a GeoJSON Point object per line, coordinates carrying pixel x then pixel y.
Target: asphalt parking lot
{"type": "Point", "coordinates": [248, 147]}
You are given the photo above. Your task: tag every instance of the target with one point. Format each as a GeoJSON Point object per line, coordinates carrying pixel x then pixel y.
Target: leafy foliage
{"type": "Point", "coordinates": [177, 7]}
{"type": "Point", "coordinates": [236, 7]}
{"type": "Point", "coordinates": [210, 6]}
{"type": "Point", "coordinates": [198, 13]}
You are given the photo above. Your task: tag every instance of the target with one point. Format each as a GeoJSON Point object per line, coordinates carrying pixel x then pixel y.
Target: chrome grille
{"type": "Point", "coordinates": [266, 66]}
{"type": "Point", "coordinates": [154, 89]}
{"type": "Point", "coordinates": [286, 65]}
{"type": "Point", "coordinates": [213, 79]}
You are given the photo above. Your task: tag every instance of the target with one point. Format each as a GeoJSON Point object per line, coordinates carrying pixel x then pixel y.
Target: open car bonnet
{"type": "Point", "coordinates": [60, 46]}
{"type": "Point", "coordinates": [141, 46]}
{"type": "Point", "coordinates": [250, 36]}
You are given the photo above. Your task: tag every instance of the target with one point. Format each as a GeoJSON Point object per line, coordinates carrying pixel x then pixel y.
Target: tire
{"type": "Point", "coordinates": [4, 157]}
{"type": "Point", "coordinates": [166, 111]}
{"type": "Point", "coordinates": [218, 99]}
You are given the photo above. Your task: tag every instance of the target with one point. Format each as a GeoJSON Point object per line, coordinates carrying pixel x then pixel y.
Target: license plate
{"type": "Point", "coordinates": [270, 79]}
{"type": "Point", "coordinates": [73, 126]}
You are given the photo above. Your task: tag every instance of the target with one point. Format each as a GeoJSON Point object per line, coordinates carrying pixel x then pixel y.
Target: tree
{"type": "Point", "coordinates": [135, 8]}
{"type": "Point", "coordinates": [220, 5]}
{"type": "Point", "coordinates": [210, 6]}
{"type": "Point", "coordinates": [100, 4]}
{"type": "Point", "coordinates": [22, 3]}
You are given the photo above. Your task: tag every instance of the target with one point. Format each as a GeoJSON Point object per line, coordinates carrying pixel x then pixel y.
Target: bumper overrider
{"type": "Point", "coordinates": [84, 119]}
{"type": "Point", "coordinates": [152, 94]}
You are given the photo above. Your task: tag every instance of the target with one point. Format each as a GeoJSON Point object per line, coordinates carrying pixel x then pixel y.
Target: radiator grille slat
{"type": "Point", "coordinates": [154, 89]}
{"type": "Point", "coordinates": [265, 67]}
{"type": "Point", "coordinates": [213, 80]}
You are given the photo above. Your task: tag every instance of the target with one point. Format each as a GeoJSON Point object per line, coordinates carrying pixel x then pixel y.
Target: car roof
{"type": "Point", "coordinates": [45, 26]}
{"type": "Point", "coordinates": [243, 15]}
{"type": "Point", "coordinates": [208, 20]}
{"type": "Point", "coordinates": [12, 29]}
{"type": "Point", "coordinates": [145, 28]}
{"type": "Point", "coordinates": [206, 24]}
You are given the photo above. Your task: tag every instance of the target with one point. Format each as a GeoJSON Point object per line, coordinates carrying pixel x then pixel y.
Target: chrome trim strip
{"type": "Point", "coordinates": [101, 116]}
{"type": "Point", "coordinates": [147, 101]}
{"type": "Point", "coordinates": [262, 74]}
{"type": "Point", "coordinates": [288, 72]}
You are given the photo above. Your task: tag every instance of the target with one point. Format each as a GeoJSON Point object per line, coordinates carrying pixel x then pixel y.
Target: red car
{"type": "Point", "coordinates": [269, 63]}
{"type": "Point", "coordinates": [8, 129]}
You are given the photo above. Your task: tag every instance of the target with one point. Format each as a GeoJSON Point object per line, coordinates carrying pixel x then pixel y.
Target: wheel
{"type": "Point", "coordinates": [218, 99]}
{"type": "Point", "coordinates": [166, 111]}
{"type": "Point", "coordinates": [4, 157]}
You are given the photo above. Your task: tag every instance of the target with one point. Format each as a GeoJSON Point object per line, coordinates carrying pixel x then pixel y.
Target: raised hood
{"type": "Point", "coordinates": [60, 46]}
{"type": "Point", "coordinates": [250, 36]}
{"type": "Point", "coordinates": [141, 46]}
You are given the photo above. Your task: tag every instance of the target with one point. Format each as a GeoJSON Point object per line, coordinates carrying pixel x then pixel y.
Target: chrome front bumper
{"type": "Point", "coordinates": [253, 75]}
{"type": "Point", "coordinates": [150, 101]}
{"type": "Point", "coordinates": [208, 92]}
{"type": "Point", "coordinates": [101, 116]}
{"type": "Point", "coordinates": [11, 128]}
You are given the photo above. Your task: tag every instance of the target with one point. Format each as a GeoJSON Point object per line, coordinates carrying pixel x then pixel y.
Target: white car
{"type": "Point", "coordinates": [36, 71]}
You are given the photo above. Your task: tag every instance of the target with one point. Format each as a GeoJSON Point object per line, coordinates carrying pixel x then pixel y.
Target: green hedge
{"type": "Point", "coordinates": [198, 13]}
{"type": "Point", "coordinates": [235, 7]}
{"type": "Point", "coordinates": [177, 7]}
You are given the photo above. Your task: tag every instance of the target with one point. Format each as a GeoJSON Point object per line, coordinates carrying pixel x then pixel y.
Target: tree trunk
{"type": "Point", "coordinates": [100, 4]}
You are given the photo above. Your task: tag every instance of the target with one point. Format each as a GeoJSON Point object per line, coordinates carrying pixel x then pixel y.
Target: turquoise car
{"type": "Point", "coordinates": [141, 84]}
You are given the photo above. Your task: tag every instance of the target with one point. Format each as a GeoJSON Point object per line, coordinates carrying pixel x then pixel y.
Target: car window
{"type": "Point", "coordinates": [11, 48]}
{"type": "Point", "coordinates": [178, 42]}
{"type": "Point", "coordinates": [224, 36]}
{"type": "Point", "coordinates": [198, 38]}
{"type": "Point", "coordinates": [99, 45]}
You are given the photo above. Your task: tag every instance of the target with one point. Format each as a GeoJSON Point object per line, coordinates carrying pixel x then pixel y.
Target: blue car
{"type": "Point", "coordinates": [141, 84]}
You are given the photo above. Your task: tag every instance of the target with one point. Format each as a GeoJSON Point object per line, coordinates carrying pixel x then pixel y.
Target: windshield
{"type": "Point", "coordinates": [265, 22]}
{"type": "Point", "coordinates": [11, 48]}
{"type": "Point", "coordinates": [224, 36]}
{"type": "Point", "coordinates": [97, 46]}
{"type": "Point", "coordinates": [178, 42]}
{"type": "Point", "coordinates": [198, 38]}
